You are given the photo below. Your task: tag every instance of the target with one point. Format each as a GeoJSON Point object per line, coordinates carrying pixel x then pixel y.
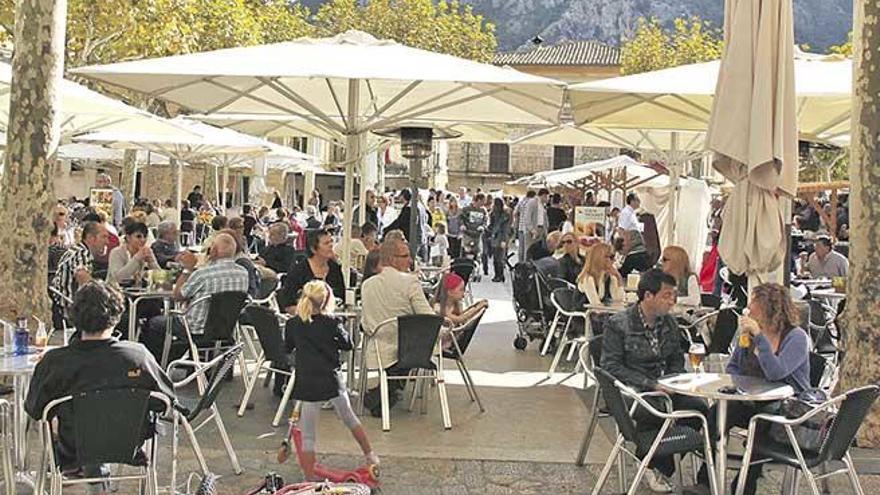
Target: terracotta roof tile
{"type": "Point", "coordinates": [564, 53]}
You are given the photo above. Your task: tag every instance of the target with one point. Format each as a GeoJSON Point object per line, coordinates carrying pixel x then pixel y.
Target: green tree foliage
{"type": "Point", "coordinates": [103, 31]}
{"type": "Point", "coordinates": [654, 47]}
{"type": "Point", "coordinates": [845, 49]}
{"type": "Point", "coordinates": [445, 26]}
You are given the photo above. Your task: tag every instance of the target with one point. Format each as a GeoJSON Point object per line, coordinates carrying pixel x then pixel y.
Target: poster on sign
{"type": "Point", "coordinates": [585, 218]}
{"type": "Point", "coordinates": [102, 200]}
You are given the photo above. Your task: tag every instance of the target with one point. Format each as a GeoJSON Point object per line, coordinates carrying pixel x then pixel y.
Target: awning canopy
{"type": "Point", "coordinates": [680, 98]}
{"type": "Point", "coordinates": [639, 174]}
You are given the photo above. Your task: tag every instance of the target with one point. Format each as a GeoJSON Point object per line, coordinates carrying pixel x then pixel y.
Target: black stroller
{"type": "Point", "coordinates": [531, 299]}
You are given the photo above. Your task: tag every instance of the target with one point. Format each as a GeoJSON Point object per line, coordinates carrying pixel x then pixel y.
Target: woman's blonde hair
{"type": "Point", "coordinates": [596, 261]}
{"type": "Point", "coordinates": [681, 264]}
{"type": "Point", "coordinates": [316, 298]}
{"type": "Point", "coordinates": [778, 308]}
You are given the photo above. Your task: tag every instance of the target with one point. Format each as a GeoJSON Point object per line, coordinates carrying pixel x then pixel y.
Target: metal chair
{"type": "Point", "coordinates": [569, 304]}
{"type": "Point", "coordinates": [7, 443]}
{"type": "Point", "coordinates": [851, 409]}
{"type": "Point", "coordinates": [203, 408]}
{"type": "Point", "coordinates": [670, 440]}
{"type": "Point", "coordinates": [588, 357]}
{"type": "Point", "coordinates": [416, 345]}
{"type": "Point", "coordinates": [265, 323]}
{"type": "Point", "coordinates": [109, 427]}
{"type": "Point", "coordinates": [461, 340]}
{"type": "Point", "coordinates": [221, 330]}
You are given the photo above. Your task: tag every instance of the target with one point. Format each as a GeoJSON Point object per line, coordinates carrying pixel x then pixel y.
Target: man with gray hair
{"type": "Point", "coordinates": [220, 274]}
{"type": "Point", "coordinates": [166, 247]}
{"type": "Point", "coordinates": [278, 255]}
{"type": "Point", "coordinates": [391, 293]}
{"type": "Point", "coordinates": [103, 181]}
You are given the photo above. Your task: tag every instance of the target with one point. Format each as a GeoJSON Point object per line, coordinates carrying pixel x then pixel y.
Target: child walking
{"type": "Point", "coordinates": [318, 337]}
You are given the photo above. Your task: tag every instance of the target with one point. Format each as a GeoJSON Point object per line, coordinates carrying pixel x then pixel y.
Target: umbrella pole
{"type": "Point", "coordinates": [415, 237]}
{"type": "Point", "coordinates": [225, 187]}
{"type": "Point", "coordinates": [364, 184]}
{"type": "Point", "coordinates": [352, 156]}
{"type": "Point", "coordinates": [674, 172]}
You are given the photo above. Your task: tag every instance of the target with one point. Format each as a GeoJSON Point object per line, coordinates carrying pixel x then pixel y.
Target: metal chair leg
{"type": "Point", "coordinates": [471, 385]}
{"type": "Point", "coordinates": [383, 389]}
{"type": "Point", "coordinates": [194, 443]}
{"type": "Point", "coordinates": [444, 401]}
{"type": "Point", "coordinates": [591, 428]}
{"type": "Point", "coordinates": [249, 387]}
{"type": "Point", "coordinates": [853, 476]}
{"type": "Point", "coordinates": [606, 469]}
{"type": "Point", "coordinates": [551, 334]}
{"type": "Point", "coordinates": [467, 385]}
{"type": "Point", "coordinates": [233, 459]}
{"type": "Point", "coordinates": [280, 411]}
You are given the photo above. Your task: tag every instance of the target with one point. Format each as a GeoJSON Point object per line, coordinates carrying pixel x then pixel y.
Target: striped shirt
{"type": "Point", "coordinates": [64, 281]}
{"type": "Point", "coordinates": [223, 275]}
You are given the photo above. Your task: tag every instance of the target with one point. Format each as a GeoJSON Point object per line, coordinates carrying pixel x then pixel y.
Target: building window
{"type": "Point", "coordinates": [499, 158]}
{"type": "Point", "coordinates": [563, 157]}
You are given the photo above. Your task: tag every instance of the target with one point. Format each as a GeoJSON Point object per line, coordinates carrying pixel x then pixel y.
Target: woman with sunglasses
{"type": "Point", "coordinates": [674, 261]}
{"type": "Point", "coordinates": [66, 235]}
{"type": "Point", "coordinates": [600, 280]}
{"type": "Point", "coordinates": [128, 260]}
{"type": "Point", "coordinates": [572, 263]}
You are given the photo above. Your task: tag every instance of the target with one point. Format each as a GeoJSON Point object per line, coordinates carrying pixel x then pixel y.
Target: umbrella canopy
{"type": "Point", "coordinates": [571, 135]}
{"type": "Point", "coordinates": [681, 98]}
{"type": "Point", "coordinates": [644, 174]}
{"type": "Point", "coordinates": [753, 131]}
{"type": "Point", "coordinates": [371, 84]}
{"type": "Point", "coordinates": [84, 110]}
{"type": "Point", "coordinates": [85, 151]}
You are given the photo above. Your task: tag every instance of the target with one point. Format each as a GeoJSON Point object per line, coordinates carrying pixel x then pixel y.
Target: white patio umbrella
{"type": "Point", "coordinates": [644, 174]}
{"type": "Point", "coordinates": [753, 132]}
{"type": "Point", "coordinates": [220, 147]}
{"type": "Point", "coordinates": [372, 84]}
{"type": "Point", "coordinates": [84, 110]}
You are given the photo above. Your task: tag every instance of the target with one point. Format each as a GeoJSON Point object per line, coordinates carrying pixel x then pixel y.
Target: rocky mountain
{"type": "Point", "coordinates": [818, 23]}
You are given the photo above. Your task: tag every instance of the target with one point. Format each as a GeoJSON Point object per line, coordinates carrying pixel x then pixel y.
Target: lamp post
{"type": "Point", "coordinates": [416, 146]}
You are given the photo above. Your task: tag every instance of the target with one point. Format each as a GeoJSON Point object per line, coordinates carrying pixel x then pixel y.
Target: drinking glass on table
{"type": "Point", "coordinates": [697, 353]}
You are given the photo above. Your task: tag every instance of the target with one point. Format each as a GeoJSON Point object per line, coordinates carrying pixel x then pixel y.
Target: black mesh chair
{"type": "Point", "coordinates": [461, 340]}
{"type": "Point", "coordinates": [210, 379]}
{"type": "Point", "coordinates": [220, 331]}
{"type": "Point", "coordinates": [465, 268]}
{"type": "Point", "coordinates": [724, 331]}
{"type": "Point", "coordinates": [851, 409]}
{"type": "Point", "coordinates": [569, 304]}
{"type": "Point", "coordinates": [671, 439]}
{"type": "Point", "coordinates": [109, 426]}
{"type": "Point", "coordinates": [273, 358]}
{"type": "Point", "coordinates": [416, 347]}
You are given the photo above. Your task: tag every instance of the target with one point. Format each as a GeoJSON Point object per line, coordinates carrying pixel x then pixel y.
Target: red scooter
{"type": "Point", "coordinates": [367, 474]}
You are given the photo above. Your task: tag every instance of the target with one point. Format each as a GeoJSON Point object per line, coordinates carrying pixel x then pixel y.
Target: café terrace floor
{"type": "Point", "coordinates": [525, 442]}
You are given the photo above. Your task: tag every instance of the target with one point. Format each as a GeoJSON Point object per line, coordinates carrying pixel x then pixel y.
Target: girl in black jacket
{"type": "Point", "coordinates": [318, 337]}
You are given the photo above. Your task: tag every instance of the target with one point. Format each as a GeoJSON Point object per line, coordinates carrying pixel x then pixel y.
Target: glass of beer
{"type": "Point", "coordinates": [697, 353]}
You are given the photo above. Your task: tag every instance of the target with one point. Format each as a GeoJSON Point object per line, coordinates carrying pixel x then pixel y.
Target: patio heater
{"type": "Point", "coordinates": [416, 144]}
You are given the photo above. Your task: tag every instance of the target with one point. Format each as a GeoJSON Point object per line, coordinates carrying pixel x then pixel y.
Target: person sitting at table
{"type": "Point", "coordinates": [674, 261]}
{"type": "Point", "coordinates": [357, 248]}
{"type": "Point", "coordinates": [393, 292]}
{"type": "Point", "coordinates": [571, 263]}
{"type": "Point", "coordinates": [539, 250]}
{"type": "Point", "coordinates": [244, 260]}
{"type": "Point", "coordinates": [599, 280]}
{"type": "Point", "coordinates": [825, 262]}
{"type": "Point", "coordinates": [320, 264]}
{"type": "Point", "coordinates": [372, 265]}
{"type": "Point", "coordinates": [167, 247]}
{"type": "Point", "coordinates": [218, 223]}
{"type": "Point", "coordinates": [95, 360]}
{"type": "Point", "coordinates": [643, 344]}
{"type": "Point", "coordinates": [447, 303]}
{"type": "Point", "coordinates": [77, 265]}
{"type": "Point", "coordinates": [127, 261]}
{"type": "Point", "coordinates": [220, 274]}
{"type": "Point", "coordinates": [278, 254]}
{"type": "Point", "coordinates": [779, 351]}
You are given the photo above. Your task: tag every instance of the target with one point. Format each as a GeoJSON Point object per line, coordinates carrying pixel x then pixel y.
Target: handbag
{"type": "Point", "coordinates": [810, 434]}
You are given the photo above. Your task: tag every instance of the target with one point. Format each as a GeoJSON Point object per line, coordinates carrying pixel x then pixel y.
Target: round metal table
{"type": "Point", "coordinates": [714, 386]}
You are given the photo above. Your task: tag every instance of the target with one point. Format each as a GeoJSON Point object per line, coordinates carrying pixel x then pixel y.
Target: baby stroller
{"type": "Point", "coordinates": [470, 249]}
{"type": "Point", "coordinates": [531, 301]}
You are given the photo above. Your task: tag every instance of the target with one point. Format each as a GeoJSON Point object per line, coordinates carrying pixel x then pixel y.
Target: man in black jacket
{"type": "Point", "coordinates": [642, 344]}
{"type": "Point", "coordinates": [94, 362]}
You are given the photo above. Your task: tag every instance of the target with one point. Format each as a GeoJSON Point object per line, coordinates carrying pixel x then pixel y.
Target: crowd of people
{"type": "Point", "coordinates": [93, 254]}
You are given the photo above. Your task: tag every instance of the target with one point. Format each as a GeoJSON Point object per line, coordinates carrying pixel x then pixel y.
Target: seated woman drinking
{"type": "Point", "coordinates": [600, 280]}
{"type": "Point", "coordinates": [778, 352]}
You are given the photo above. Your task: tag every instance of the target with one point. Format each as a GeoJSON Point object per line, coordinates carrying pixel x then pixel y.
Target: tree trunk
{"type": "Point", "coordinates": [27, 194]}
{"type": "Point", "coordinates": [862, 336]}
{"type": "Point", "coordinates": [129, 176]}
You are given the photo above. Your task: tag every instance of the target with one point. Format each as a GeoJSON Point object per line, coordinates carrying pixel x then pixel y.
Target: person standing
{"type": "Point", "coordinates": [499, 235]}
{"type": "Point", "coordinates": [195, 198]}
{"type": "Point", "coordinates": [453, 228]}
{"type": "Point", "coordinates": [276, 201]}
{"type": "Point", "coordinates": [534, 221]}
{"type": "Point", "coordinates": [518, 225]}
{"type": "Point", "coordinates": [630, 228]}
{"type": "Point", "coordinates": [103, 181]}
{"type": "Point", "coordinates": [555, 214]}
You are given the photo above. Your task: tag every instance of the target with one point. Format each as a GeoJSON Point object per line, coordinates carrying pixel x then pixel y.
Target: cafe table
{"type": "Point", "coordinates": [20, 369]}
{"type": "Point", "coordinates": [830, 295]}
{"type": "Point", "coordinates": [352, 316]}
{"type": "Point", "coordinates": [723, 388]}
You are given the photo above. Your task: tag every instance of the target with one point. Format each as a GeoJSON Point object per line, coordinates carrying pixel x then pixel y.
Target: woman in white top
{"type": "Point", "coordinates": [600, 280]}
{"type": "Point", "coordinates": [128, 260]}
{"type": "Point", "coordinates": [675, 262]}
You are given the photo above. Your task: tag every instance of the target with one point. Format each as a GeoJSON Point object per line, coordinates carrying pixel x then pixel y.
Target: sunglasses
{"type": "Point", "coordinates": [664, 260]}
{"type": "Point", "coordinates": [567, 241]}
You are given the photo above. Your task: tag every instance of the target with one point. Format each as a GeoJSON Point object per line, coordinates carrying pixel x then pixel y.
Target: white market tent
{"type": "Point", "coordinates": [372, 84]}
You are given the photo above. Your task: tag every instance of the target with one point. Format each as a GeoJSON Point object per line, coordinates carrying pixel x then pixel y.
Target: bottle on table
{"type": "Point", "coordinates": [41, 338]}
{"type": "Point", "coordinates": [745, 337]}
{"type": "Point", "coordinates": [21, 338]}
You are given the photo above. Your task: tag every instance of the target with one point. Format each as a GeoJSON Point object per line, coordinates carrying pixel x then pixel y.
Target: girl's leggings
{"type": "Point", "coordinates": [308, 418]}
